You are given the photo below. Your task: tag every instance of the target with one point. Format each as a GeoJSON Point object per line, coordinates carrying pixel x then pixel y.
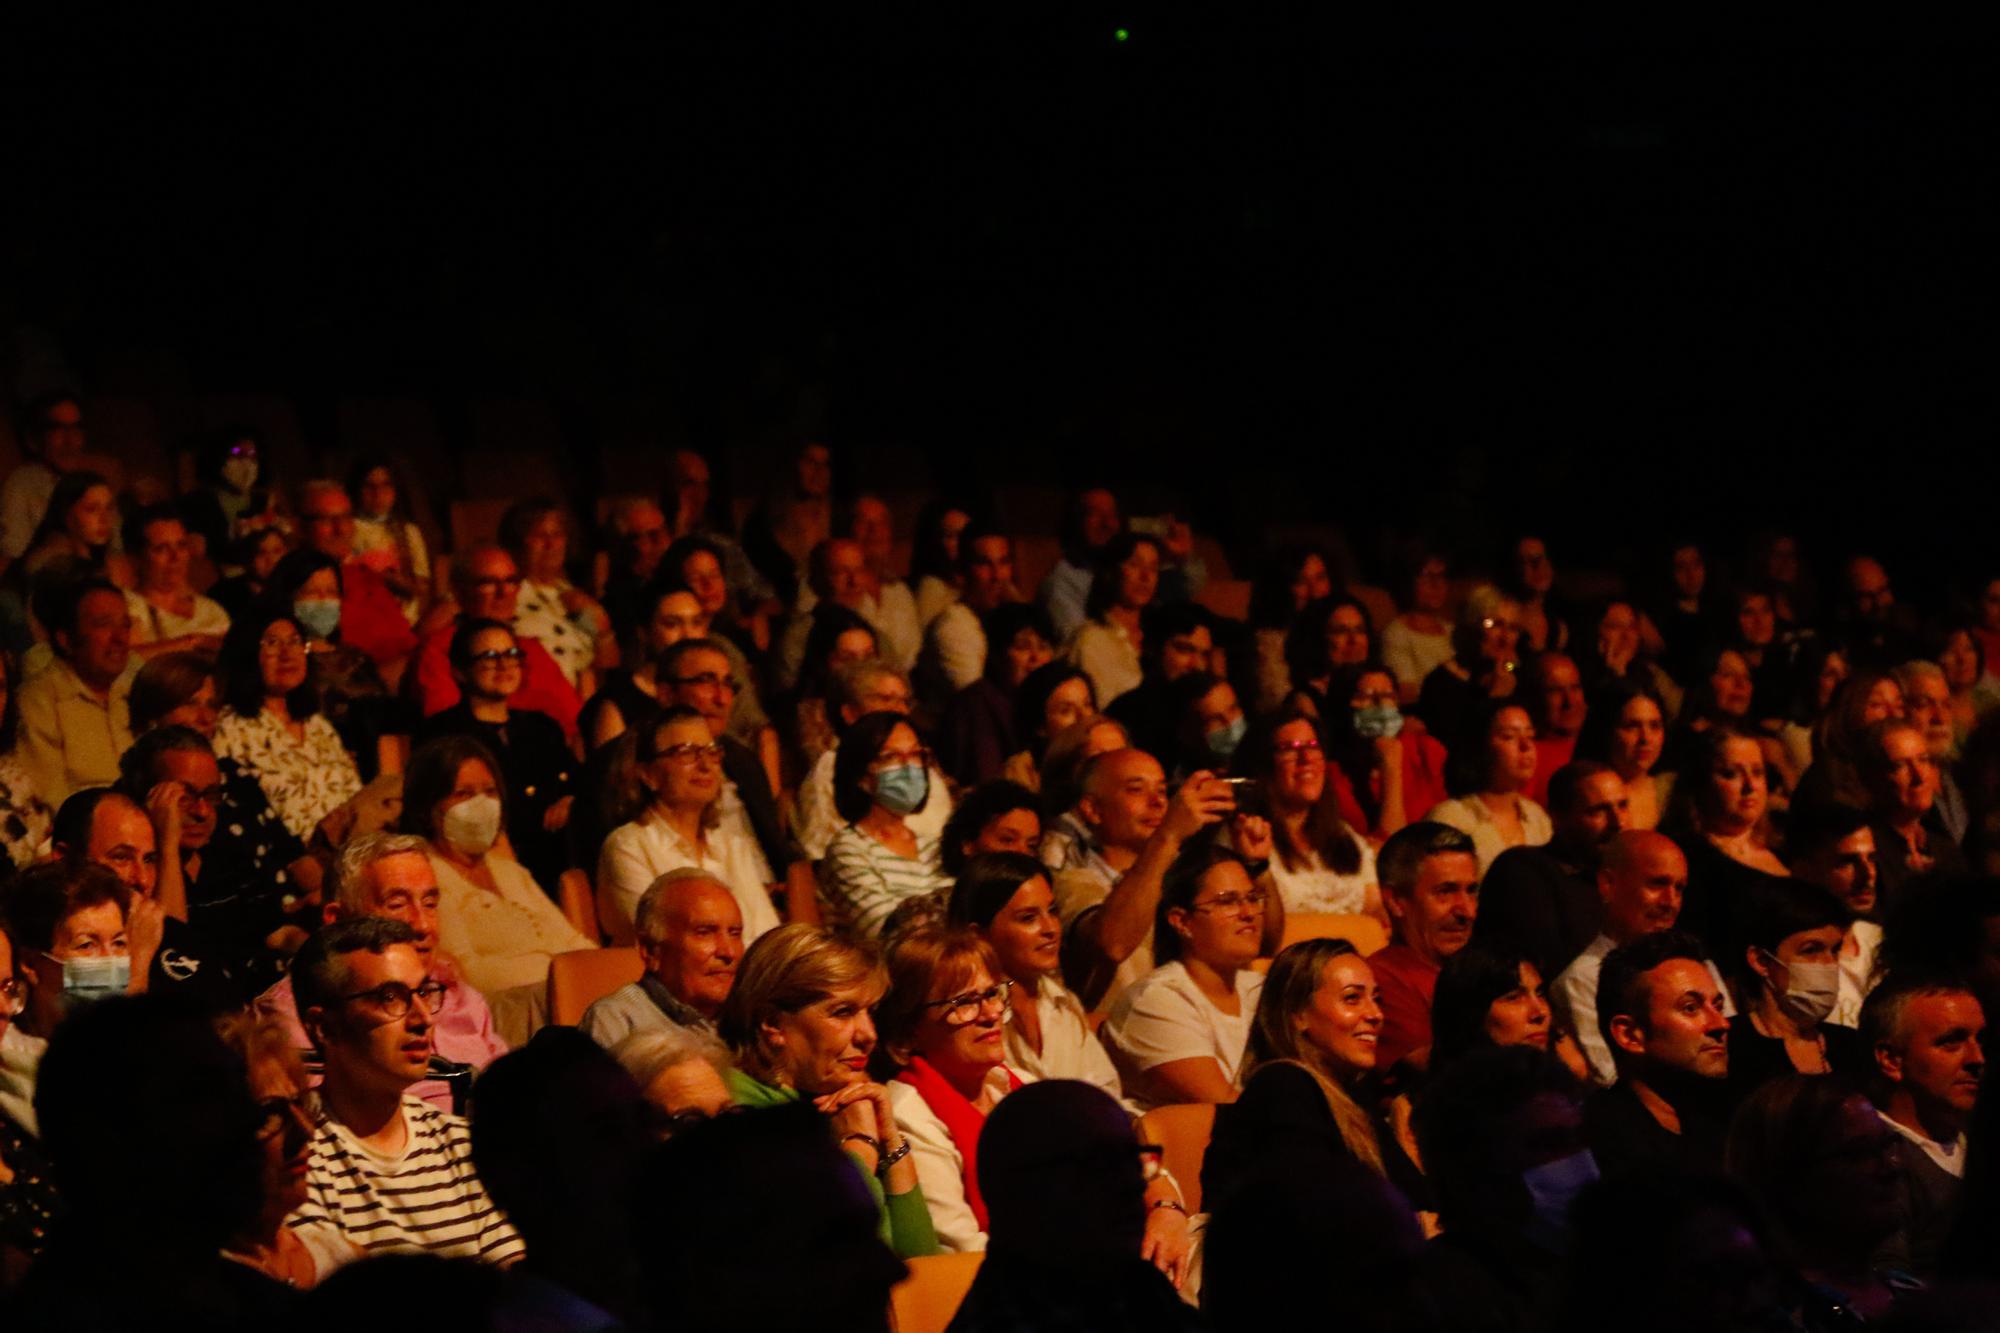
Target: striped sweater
{"type": "Point", "coordinates": [425, 1199]}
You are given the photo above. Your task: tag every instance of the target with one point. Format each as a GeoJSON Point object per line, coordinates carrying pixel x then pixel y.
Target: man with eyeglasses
{"type": "Point", "coordinates": [371, 615]}
{"type": "Point", "coordinates": [76, 716]}
{"type": "Point", "coordinates": [391, 1171]}
{"type": "Point", "coordinates": [390, 875]}
{"type": "Point", "coordinates": [488, 585]}
{"type": "Point", "coordinates": [245, 910]}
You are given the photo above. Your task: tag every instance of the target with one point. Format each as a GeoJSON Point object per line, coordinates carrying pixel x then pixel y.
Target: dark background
{"type": "Point", "coordinates": [1608, 287]}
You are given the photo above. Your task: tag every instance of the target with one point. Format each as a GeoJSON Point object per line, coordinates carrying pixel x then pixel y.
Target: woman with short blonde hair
{"type": "Point", "coordinates": [801, 1025]}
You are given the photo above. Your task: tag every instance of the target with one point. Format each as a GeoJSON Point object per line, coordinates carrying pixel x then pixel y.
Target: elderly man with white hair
{"type": "Point", "coordinates": [690, 932]}
{"type": "Point", "coordinates": [1927, 704]}
{"type": "Point", "coordinates": [390, 875]}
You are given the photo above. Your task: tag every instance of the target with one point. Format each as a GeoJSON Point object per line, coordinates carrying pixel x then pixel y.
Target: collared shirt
{"type": "Point", "coordinates": [640, 852]}
{"type": "Point", "coordinates": [643, 1006]}
{"type": "Point", "coordinates": [461, 1026]}
{"type": "Point", "coordinates": [20, 1063]}
{"type": "Point", "coordinates": [504, 940]}
{"type": "Point", "coordinates": [71, 736]}
{"type": "Point", "coordinates": [1069, 1048]}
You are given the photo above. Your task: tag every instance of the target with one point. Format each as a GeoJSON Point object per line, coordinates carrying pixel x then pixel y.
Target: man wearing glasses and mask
{"type": "Point", "coordinates": [393, 1173]}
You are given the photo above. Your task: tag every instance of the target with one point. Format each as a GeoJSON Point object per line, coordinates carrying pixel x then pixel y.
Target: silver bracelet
{"type": "Point", "coordinates": [888, 1160]}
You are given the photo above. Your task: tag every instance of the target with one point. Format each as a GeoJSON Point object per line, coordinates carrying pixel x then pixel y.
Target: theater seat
{"type": "Point", "coordinates": [580, 978]}
{"type": "Point", "coordinates": [925, 1301]}
{"type": "Point", "coordinates": [1365, 933]}
{"type": "Point", "coordinates": [1183, 1131]}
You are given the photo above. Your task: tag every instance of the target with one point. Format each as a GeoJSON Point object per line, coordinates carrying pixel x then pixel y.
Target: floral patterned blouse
{"type": "Point", "coordinates": [24, 817]}
{"type": "Point", "coordinates": [539, 615]}
{"type": "Point", "coordinates": [304, 781]}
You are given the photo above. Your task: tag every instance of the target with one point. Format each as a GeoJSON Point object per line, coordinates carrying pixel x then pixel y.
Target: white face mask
{"type": "Point", "coordinates": [473, 825]}
{"type": "Point", "coordinates": [1811, 989]}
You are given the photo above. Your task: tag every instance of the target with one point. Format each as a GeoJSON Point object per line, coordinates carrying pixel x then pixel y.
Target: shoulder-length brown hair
{"type": "Point", "coordinates": [1275, 1038]}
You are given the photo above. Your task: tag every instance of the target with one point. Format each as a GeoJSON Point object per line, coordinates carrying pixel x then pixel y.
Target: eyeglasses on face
{"type": "Point", "coordinates": [1234, 902]}
{"type": "Point", "coordinates": [1296, 751]}
{"type": "Point", "coordinates": [392, 999]}
{"type": "Point", "coordinates": [487, 656]}
{"type": "Point", "coordinates": [671, 1123]}
{"type": "Point", "coordinates": [689, 753]}
{"type": "Point", "coordinates": [277, 643]}
{"type": "Point", "coordinates": [896, 759]}
{"type": "Point", "coordinates": [967, 1008]}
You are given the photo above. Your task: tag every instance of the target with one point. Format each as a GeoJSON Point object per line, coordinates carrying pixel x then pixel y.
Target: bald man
{"type": "Point", "coordinates": [1107, 904]}
{"type": "Point", "coordinates": [1641, 882]}
{"type": "Point", "coordinates": [690, 939]}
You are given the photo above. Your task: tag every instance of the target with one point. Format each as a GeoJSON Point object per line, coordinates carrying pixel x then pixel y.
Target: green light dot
{"type": "Point", "coordinates": [1122, 34]}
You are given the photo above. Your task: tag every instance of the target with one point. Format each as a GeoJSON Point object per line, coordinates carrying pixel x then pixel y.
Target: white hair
{"type": "Point", "coordinates": [355, 893]}
{"type": "Point", "coordinates": [650, 1053]}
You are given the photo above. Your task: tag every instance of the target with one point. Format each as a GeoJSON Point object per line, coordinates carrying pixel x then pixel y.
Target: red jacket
{"type": "Point", "coordinates": [544, 687]}
{"type": "Point", "coordinates": [371, 618]}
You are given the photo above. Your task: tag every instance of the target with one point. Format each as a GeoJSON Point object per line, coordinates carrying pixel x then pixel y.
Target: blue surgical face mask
{"type": "Point", "coordinates": [1222, 741]}
{"type": "Point", "coordinates": [321, 619]}
{"type": "Point", "coordinates": [1378, 721]}
{"type": "Point", "coordinates": [1553, 1187]}
{"type": "Point", "coordinates": [903, 789]}
{"type": "Point", "coordinates": [88, 979]}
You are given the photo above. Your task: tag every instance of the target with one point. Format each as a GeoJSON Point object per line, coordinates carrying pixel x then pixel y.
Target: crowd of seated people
{"type": "Point", "coordinates": [919, 910]}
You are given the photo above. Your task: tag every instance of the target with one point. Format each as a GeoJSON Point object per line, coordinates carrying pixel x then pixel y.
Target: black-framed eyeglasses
{"type": "Point", "coordinates": [671, 1123]}
{"type": "Point", "coordinates": [960, 1010]}
{"type": "Point", "coordinates": [500, 655]}
{"type": "Point", "coordinates": [393, 998]}
{"type": "Point", "coordinates": [273, 1113]}
{"type": "Point", "coordinates": [919, 757]}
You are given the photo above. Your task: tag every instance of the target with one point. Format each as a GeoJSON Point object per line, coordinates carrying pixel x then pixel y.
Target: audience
{"type": "Point", "coordinates": [1005, 897]}
{"type": "Point", "coordinates": [1927, 1063]}
{"type": "Point", "coordinates": [1836, 777]}
{"type": "Point", "coordinates": [75, 715]}
{"type": "Point", "coordinates": [390, 1172]}
{"type": "Point", "coordinates": [493, 919]}
{"type": "Point", "coordinates": [1626, 728]}
{"type": "Point", "coordinates": [168, 615]}
{"type": "Point", "coordinates": [1319, 862]}
{"type": "Point", "coordinates": [801, 1023]}
{"type": "Point", "coordinates": [1385, 771]}
{"type": "Point", "coordinates": [389, 875]}
{"type": "Point", "coordinates": [1179, 1034]}
{"type": "Point", "coordinates": [1542, 901]}
{"type": "Point", "coordinates": [1492, 767]}
{"type": "Point", "coordinates": [567, 621]}
{"type": "Point", "coordinates": [271, 726]}
{"type": "Point", "coordinates": [1108, 644]}
{"type": "Point", "coordinates": [690, 935]}
{"type": "Point", "coordinates": [1823, 1164]}
{"type": "Point", "coordinates": [881, 778]}
{"type": "Point", "coordinates": [535, 760]}
{"type": "Point", "coordinates": [1430, 884]}
{"type": "Point", "coordinates": [1660, 1012]}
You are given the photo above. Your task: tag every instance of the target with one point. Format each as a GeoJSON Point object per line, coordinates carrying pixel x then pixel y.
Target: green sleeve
{"type": "Point", "coordinates": [906, 1218]}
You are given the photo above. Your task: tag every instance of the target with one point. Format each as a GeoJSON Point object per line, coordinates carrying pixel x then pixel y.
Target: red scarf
{"type": "Point", "coordinates": [962, 1120]}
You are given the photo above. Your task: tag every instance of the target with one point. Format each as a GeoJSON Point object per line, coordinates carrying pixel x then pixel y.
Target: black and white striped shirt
{"type": "Point", "coordinates": [427, 1198]}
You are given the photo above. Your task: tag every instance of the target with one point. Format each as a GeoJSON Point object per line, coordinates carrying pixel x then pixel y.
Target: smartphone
{"type": "Point", "coordinates": [1249, 791]}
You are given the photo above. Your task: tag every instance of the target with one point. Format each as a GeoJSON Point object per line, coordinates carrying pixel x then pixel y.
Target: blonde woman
{"type": "Point", "coordinates": [1312, 1044]}
{"type": "Point", "coordinates": [801, 1023]}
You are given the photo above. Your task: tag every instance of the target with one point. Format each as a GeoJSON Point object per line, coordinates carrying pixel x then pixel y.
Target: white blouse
{"type": "Point", "coordinates": [503, 941]}
{"type": "Point", "coordinates": [640, 852]}
{"type": "Point", "coordinates": [150, 624]}
{"type": "Point", "coordinates": [1319, 888]}
{"type": "Point", "coordinates": [304, 780]}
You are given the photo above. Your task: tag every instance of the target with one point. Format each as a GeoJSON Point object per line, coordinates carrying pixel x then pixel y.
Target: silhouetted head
{"type": "Point", "coordinates": [1060, 1170]}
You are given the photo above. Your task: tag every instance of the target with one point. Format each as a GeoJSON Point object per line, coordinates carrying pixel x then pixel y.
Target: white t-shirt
{"type": "Point", "coordinates": [1165, 1018]}
{"type": "Point", "coordinates": [1321, 889]}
